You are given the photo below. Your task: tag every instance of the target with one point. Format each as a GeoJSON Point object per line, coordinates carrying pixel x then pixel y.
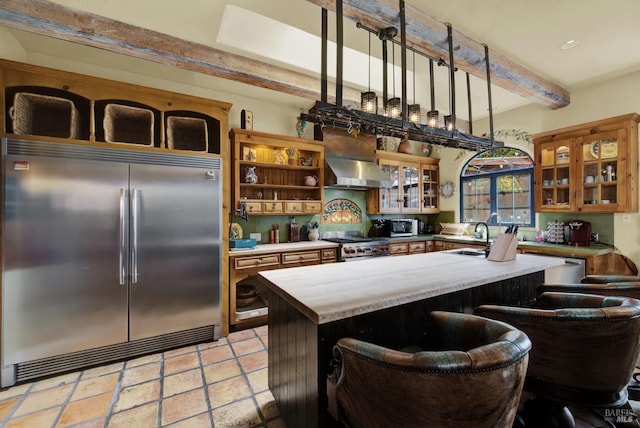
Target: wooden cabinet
{"type": "Point", "coordinates": [49, 104]}
{"type": "Point", "coordinates": [598, 264]}
{"type": "Point", "coordinates": [409, 247]}
{"type": "Point", "coordinates": [588, 168]}
{"type": "Point", "coordinates": [399, 248]}
{"type": "Point", "coordinates": [455, 245]}
{"type": "Point", "coordinates": [244, 268]}
{"type": "Point", "coordinates": [430, 186]}
{"type": "Point", "coordinates": [414, 188]}
{"type": "Point", "coordinates": [275, 175]}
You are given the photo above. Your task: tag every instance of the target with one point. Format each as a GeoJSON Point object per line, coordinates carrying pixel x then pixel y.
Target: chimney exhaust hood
{"type": "Point", "coordinates": [354, 174]}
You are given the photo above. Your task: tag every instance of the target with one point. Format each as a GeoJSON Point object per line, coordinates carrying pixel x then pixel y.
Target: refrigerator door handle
{"type": "Point", "coordinates": [135, 199]}
{"type": "Point", "coordinates": [123, 231]}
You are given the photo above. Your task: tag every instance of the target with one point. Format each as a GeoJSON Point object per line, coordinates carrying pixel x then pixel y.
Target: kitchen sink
{"type": "Point", "coordinates": [467, 252]}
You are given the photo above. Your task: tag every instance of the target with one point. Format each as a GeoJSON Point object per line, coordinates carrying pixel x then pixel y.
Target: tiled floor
{"type": "Point", "coordinates": [217, 384]}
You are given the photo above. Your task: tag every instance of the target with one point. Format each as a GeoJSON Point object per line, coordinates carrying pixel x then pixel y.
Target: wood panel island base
{"type": "Point", "coordinates": [383, 300]}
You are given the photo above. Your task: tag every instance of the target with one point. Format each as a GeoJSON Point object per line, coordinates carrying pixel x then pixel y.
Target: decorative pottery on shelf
{"type": "Point", "coordinates": [301, 128]}
{"type": "Point", "coordinates": [250, 175]}
{"type": "Point", "coordinates": [292, 154]}
{"type": "Point", "coordinates": [311, 180]}
{"type": "Point", "coordinates": [405, 146]}
{"type": "Point", "coordinates": [314, 234]}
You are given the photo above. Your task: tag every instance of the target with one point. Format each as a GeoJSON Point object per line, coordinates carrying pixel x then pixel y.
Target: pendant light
{"type": "Point", "coordinates": [369, 99]}
{"type": "Point", "coordinates": [432, 115]}
{"type": "Point", "coordinates": [394, 105]}
{"type": "Point", "coordinates": [448, 122]}
{"type": "Point", "coordinates": [414, 109]}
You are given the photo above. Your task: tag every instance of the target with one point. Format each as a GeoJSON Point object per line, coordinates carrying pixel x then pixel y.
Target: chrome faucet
{"type": "Point", "coordinates": [498, 219]}
{"type": "Point", "coordinates": [486, 226]}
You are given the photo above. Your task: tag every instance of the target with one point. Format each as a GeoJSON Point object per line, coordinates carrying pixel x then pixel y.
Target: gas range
{"type": "Point", "coordinates": [356, 247]}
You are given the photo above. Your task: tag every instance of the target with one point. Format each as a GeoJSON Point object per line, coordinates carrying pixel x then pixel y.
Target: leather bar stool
{"type": "Point", "coordinates": [469, 375]}
{"type": "Point", "coordinates": [609, 278]}
{"type": "Point", "coordinates": [626, 289]}
{"type": "Point", "coordinates": [584, 350]}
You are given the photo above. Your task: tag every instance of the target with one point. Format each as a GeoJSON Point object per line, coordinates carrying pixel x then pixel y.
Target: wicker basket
{"type": "Point", "coordinates": [35, 114]}
{"type": "Point", "coordinates": [187, 133]}
{"type": "Point", "coordinates": [126, 124]}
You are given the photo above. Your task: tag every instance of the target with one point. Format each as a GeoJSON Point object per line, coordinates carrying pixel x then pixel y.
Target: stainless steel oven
{"type": "Point", "coordinates": [356, 247]}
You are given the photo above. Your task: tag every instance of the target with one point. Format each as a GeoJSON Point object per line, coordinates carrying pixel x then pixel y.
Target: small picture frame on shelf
{"type": "Point", "coordinates": [246, 119]}
{"type": "Point", "coordinates": [249, 154]}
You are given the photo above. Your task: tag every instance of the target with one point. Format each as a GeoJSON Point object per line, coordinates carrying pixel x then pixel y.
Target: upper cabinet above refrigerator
{"type": "Point", "coordinates": [588, 168]}
{"type": "Point", "coordinates": [41, 102]}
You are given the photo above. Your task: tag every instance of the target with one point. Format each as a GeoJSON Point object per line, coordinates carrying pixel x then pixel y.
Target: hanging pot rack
{"type": "Point", "coordinates": [324, 114]}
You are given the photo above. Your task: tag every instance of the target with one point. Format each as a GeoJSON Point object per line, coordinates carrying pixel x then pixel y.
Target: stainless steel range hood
{"type": "Point", "coordinates": [354, 174]}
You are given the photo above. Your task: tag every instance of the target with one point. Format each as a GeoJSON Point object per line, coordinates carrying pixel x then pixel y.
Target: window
{"type": "Point", "coordinates": [498, 181]}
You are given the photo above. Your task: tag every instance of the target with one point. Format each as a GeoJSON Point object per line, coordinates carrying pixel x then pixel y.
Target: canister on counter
{"type": "Point", "coordinates": [294, 232]}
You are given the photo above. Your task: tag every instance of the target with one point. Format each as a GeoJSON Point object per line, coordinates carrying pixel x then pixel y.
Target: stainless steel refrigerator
{"type": "Point", "coordinates": [106, 253]}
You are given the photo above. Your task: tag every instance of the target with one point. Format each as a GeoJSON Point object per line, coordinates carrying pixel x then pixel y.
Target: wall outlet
{"type": "Point", "coordinates": [595, 237]}
{"type": "Point", "coordinates": [626, 218]}
{"type": "Point", "coordinates": [256, 236]}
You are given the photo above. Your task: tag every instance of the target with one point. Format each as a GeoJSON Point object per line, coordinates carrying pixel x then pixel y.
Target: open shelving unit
{"type": "Point", "coordinates": [271, 173]}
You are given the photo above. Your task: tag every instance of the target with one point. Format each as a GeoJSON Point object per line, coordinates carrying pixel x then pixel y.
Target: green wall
{"type": "Point", "coordinates": [262, 224]}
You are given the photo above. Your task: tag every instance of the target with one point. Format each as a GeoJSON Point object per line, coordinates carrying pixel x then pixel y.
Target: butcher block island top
{"type": "Point", "coordinates": [326, 293]}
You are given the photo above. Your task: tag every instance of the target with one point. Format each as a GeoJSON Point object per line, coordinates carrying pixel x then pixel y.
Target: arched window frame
{"type": "Point", "coordinates": [505, 162]}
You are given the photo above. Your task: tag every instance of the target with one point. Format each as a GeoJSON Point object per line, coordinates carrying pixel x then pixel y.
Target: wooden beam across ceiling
{"type": "Point", "coordinates": [423, 32]}
{"type": "Point", "coordinates": [50, 19]}
{"type": "Point", "coordinates": [427, 35]}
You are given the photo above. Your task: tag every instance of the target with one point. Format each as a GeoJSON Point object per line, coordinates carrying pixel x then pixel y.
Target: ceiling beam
{"type": "Point", "coordinates": [429, 36]}
{"type": "Point", "coordinates": [50, 19]}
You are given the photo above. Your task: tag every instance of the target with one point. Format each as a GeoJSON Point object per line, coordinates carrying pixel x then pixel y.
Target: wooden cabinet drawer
{"type": "Point", "coordinates": [257, 261]}
{"type": "Point", "coordinates": [293, 207]}
{"type": "Point", "coordinates": [398, 248]}
{"type": "Point", "coordinates": [329, 255]}
{"type": "Point", "coordinates": [254, 207]}
{"type": "Point", "coordinates": [301, 257]}
{"type": "Point", "coordinates": [312, 207]}
{"type": "Point", "coordinates": [273, 207]}
{"type": "Point", "coordinates": [417, 247]}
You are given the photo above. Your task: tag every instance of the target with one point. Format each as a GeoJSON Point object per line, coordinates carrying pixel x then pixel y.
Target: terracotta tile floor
{"type": "Point", "coordinates": [217, 384]}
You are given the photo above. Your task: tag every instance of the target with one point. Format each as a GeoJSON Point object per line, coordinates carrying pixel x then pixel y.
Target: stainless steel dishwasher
{"type": "Point", "coordinates": [572, 271]}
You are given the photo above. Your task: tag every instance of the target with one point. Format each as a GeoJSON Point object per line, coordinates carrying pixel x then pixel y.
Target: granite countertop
{"type": "Point", "coordinates": [282, 247]}
{"type": "Point", "coordinates": [530, 246]}
{"type": "Point", "coordinates": [335, 291]}
{"type": "Point", "coordinates": [594, 249]}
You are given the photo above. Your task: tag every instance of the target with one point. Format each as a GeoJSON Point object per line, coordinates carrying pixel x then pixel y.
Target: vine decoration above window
{"type": "Point", "coordinates": [518, 134]}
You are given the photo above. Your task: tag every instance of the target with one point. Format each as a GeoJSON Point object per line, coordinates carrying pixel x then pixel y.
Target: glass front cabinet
{"type": "Point", "coordinates": [588, 168]}
{"type": "Point", "coordinates": [414, 185]}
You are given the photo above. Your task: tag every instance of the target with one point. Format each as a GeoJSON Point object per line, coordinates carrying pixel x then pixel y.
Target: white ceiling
{"type": "Point", "coordinates": [285, 32]}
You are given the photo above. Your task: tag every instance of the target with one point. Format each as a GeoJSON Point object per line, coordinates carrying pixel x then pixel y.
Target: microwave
{"type": "Point", "coordinates": [398, 227]}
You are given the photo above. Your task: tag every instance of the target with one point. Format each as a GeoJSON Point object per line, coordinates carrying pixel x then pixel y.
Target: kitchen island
{"type": "Point", "coordinates": [384, 300]}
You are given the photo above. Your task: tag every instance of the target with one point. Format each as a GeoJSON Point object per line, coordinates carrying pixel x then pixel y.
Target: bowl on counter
{"type": "Point", "coordinates": [456, 229]}
{"type": "Point", "coordinates": [246, 294]}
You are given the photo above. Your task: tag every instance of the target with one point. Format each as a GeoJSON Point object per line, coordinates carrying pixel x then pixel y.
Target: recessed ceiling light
{"type": "Point", "coordinates": [570, 44]}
